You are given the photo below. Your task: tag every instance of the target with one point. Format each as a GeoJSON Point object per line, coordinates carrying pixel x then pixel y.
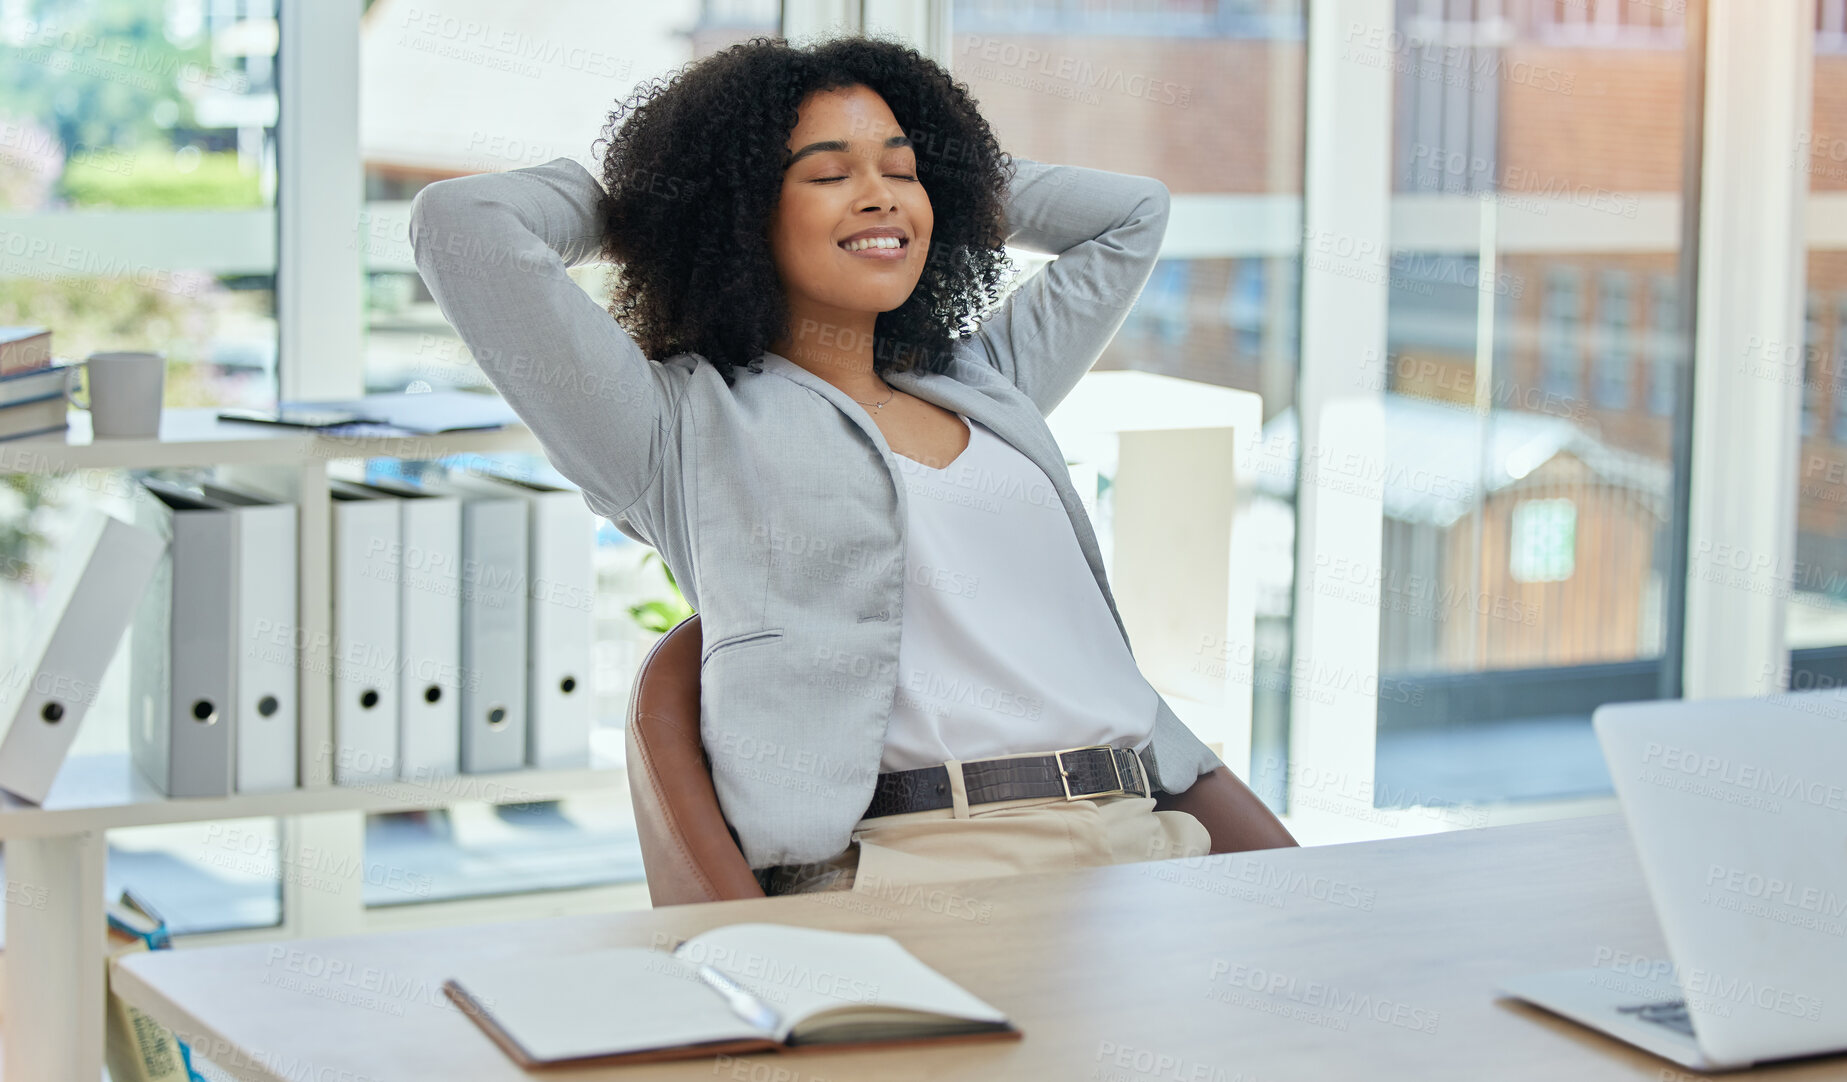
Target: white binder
{"type": "Point", "coordinates": [212, 683]}
{"type": "Point", "coordinates": [150, 673]}
{"type": "Point", "coordinates": [493, 640]}
{"type": "Point", "coordinates": [429, 631]}
{"type": "Point", "coordinates": [561, 622]}
{"type": "Point", "coordinates": [46, 692]}
{"type": "Point", "coordinates": [366, 548]}
{"type": "Point", "coordinates": [266, 667]}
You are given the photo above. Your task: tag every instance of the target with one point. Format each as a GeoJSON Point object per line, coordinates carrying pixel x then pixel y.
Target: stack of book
{"type": "Point", "coordinates": [32, 385]}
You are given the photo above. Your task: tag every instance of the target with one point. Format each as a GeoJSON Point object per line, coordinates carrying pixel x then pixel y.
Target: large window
{"type": "Point", "coordinates": [1524, 485]}
{"type": "Point", "coordinates": [138, 185]}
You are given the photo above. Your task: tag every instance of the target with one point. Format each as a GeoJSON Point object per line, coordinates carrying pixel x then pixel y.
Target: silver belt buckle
{"type": "Point", "coordinates": [1064, 776]}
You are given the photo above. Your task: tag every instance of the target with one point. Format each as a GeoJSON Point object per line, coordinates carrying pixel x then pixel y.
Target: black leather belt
{"type": "Point", "coordinates": [1071, 773]}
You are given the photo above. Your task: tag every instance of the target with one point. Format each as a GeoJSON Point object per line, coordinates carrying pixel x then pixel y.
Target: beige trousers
{"type": "Point", "coordinates": [1007, 837]}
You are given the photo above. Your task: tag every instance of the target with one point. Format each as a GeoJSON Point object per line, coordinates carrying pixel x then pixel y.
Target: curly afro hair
{"type": "Point", "coordinates": [694, 171]}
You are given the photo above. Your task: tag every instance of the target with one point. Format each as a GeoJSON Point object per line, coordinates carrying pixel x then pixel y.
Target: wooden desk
{"type": "Point", "coordinates": [1371, 960]}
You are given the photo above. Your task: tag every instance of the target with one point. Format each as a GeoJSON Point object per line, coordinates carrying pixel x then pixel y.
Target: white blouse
{"type": "Point", "coordinates": [1007, 645]}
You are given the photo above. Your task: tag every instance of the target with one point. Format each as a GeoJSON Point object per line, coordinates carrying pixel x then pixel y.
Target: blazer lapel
{"type": "Point", "coordinates": [1012, 417]}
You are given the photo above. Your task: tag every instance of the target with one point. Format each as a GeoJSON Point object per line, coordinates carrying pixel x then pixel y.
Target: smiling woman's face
{"type": "Point", "coordinates": [857, 180]}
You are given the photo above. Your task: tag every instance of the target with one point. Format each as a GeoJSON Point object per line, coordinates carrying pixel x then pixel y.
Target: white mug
{"type": "Point", "coordinates": [125, 394]}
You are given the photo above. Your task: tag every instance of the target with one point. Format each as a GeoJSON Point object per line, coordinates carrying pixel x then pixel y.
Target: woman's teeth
{"type": "Point", "coordinates": [872, 242]}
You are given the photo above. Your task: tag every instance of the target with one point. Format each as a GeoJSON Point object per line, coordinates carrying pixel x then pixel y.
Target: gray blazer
{"type": "Point", "coordinates": [776, 502]}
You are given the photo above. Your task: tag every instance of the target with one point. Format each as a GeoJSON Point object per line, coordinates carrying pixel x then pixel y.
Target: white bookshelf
{"type": "Point", "coordinates": [105, 792]}
{"type": "Point", "coordinates": [54, 962]}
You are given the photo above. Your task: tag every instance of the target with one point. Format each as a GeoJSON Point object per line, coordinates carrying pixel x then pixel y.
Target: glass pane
{"type": "Point", "coordinates": [1207, 97]}
{"type": "Point", "coordinates": [211, 877]}
{"type": "Point", "coordinates": [198, 877]}
{"type": "Point", "coordinates": [476, 850]}
{"type": "Point", "coordinates": [140, 139]}
{"type": "Point", "coordinates": [1816, 621]}
{"type": "Point", "coordinates": [1529, 392]}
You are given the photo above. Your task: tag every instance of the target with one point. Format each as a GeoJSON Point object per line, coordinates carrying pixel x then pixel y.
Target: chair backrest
{"type": "Point", "coordinates": [687, 848]}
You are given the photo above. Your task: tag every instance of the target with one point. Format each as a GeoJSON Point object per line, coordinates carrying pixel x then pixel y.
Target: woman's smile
{"type": "Point", "coordinates": [882, 255]}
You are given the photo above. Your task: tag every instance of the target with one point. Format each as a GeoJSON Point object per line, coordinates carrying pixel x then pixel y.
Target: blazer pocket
{"type": "Point", "coordinates": [747, 638]}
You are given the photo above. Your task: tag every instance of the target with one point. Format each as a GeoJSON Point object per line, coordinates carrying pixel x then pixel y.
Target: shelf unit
{"type": "Point", "coordinates": [105, 792]}
{"type": "Point", "coordinates": [54, 986]}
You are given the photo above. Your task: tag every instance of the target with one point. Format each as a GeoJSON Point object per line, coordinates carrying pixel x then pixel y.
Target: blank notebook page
{"type": "Point", "coordinates": [601, 1002]}
{"type": "Point", "coordinates": [804, 971]}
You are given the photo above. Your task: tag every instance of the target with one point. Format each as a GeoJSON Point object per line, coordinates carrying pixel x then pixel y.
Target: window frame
{"type": "Point", "coordinates": [1837, 372]}
{"type": "Point", "coordinates": [1561, 335]}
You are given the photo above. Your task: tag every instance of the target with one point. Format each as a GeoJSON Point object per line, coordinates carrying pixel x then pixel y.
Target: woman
{"type": "Point", "coordinates": [912, 665]}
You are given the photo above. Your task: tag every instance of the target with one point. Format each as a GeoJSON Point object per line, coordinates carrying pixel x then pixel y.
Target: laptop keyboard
{"type": "Point", "coordinates": [1670, 1013]}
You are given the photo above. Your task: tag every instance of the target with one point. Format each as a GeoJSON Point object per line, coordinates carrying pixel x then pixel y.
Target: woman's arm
{"type": "Point", "coordinates": [1106, 230]}
{"type": "Point", "coordinates": [493, 249]}
{"type": "Point", "coordinates": [1230, 812]}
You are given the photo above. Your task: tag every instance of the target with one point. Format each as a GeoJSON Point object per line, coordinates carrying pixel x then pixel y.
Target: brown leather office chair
{"type": "Point", "coordinates": [687, 848]}
{"type": "Point", "coordinates": [689, 851]}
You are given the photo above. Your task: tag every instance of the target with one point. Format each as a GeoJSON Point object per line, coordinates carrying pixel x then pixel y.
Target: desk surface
{"type": "Point", "coordinates": [1370, 960]}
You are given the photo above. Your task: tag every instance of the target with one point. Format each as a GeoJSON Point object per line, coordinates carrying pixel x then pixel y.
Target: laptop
{"type": "Point", "coordinates": [1738, 812]}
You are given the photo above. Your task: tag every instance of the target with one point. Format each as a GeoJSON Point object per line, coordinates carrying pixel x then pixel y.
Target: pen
{"type": "Point", "coordinates": [748, 1007]}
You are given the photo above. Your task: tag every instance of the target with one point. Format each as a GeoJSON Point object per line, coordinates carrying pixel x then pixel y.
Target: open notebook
{"type": "Point", "coordinates": [740, 988]}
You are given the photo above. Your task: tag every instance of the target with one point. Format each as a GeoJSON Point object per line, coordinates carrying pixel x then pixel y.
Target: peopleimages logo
{"type": "Point", "coordinates": [1751, 777]}
{"type": "Point", "coordinates": [1768, 897]}
{"type": "Point", "coordinates": [1708, 991]}
{"type": "Point", "coordinates": [1322, 996]}
{"type": "Point", "coordinates": [1769, 888]}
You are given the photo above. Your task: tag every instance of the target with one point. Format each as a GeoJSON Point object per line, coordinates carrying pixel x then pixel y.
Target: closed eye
{"type": "Point", "coordinates": [900, 176]}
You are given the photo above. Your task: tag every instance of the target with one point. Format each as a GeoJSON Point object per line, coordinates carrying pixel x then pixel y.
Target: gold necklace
{"type": "Point", "coordinates": [879, 405]}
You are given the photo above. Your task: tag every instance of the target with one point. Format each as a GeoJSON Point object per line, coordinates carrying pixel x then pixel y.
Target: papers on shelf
{"type": "Point", "coordinates": [395, 413]}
